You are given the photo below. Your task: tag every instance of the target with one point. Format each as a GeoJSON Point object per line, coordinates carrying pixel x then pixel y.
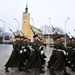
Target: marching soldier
{"type": "Point", "coordinates": [57, 62]}
{"type": "Point", "coordinates": [15, 58]}
{"type": "Point", "coordinates": [27, 44]}
{"type": "Point", "coordinates": [23, 50]}
{"type": "Point", "coordinates": [34, 60]}
{"type": "Point", "coordinates": [71, 53]}
{"type": "Point", "coordinates": [42, 47]}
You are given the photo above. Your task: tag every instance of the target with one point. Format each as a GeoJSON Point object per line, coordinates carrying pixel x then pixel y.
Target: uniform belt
{"type": "Point", "coordinates": [69, 47]}
{"type": "Point", "coordinates": [58, 49]}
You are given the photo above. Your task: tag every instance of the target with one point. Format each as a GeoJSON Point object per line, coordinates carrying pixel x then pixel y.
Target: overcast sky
{"type": "Point", "coordinates": [40, 11]}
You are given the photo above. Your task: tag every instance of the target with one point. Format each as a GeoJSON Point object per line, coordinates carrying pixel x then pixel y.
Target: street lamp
{"type": "Point", "coordinates": [49, 35]}
{"type": "Point", "coordinates": [33, 21]}
{"type": "Point", "coordinates": [65, 31]}
{"type": "Point", "coordinates": [3, 30]}
{"type": "Point", "coordinates": [18, 23]}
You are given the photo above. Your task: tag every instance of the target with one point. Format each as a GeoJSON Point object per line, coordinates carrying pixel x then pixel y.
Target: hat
{"type": "Point", "coordinates": [17, 36]}
{"type": "Point", "coordinates": [57, 37]}
{"type": "Point", "coordinates": [35, 36]}
{"type": "Point", "coordinates": [21, 36]}
{"type": "Point", "coordinates": [25, 37]}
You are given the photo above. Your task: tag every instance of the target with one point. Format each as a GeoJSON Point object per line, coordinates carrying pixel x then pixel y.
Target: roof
{"type": "Point", "coordinates": [36, 30]}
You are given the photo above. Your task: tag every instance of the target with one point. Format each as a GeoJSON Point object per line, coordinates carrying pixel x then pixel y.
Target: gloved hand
{"type": "Point", "coordinates": [30, 47]}
{"type": "Point", "coordinates": [24, 50]}
{"type": "Point", "coordinates": [21, 51]}
{"type": "Point", "coordinates": [64, 52]}
{"type": "Point", "coordinates": [22, 47]}
{"type": "Point", "coordinates": [41, 47]}
{"type": "Point", "coordinates": [42, 52]}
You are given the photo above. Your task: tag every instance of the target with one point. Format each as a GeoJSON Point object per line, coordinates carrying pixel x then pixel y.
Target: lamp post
{"type": "Point", "coordinates": [17, 22]}
{"type": "Point", "coordinates": [65, 31]}
{"type": "Point", "coordinates": [33, 21]}
{"type": "Point", "coordinates": [3, 30]}
{"type": "Point", "coordinates": [49, 34]}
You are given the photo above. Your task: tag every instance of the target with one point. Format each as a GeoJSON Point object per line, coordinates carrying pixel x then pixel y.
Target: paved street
{"type": "Point", "coordinates": [5, 51]}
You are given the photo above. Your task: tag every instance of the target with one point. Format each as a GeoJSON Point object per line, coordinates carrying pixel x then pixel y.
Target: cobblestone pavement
{"type": "Point", "coordinates": [5, 51]}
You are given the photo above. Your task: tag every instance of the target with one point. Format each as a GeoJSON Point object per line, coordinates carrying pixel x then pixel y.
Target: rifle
{"type": "Point", "coordinates": [22, 33]}
{"type": "Point", "coordinates": [12, 32]}
{"type": "Point", "coordinates": [18, 32]}
{"type": "Point", "coordinates": [53, 29]}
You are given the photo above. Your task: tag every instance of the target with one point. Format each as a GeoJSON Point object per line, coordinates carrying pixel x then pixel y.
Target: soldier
{"type": "Point", "coordinates": [34, 60]}
{"type": "Point", "coordinates": [27, 44]}
{"type": "Point", "coordinates": [42, 47]}
{"type": "Point", "coordinates": [15, 59]}
{"type": "Point", "coordinates": [57, 62]}
{"type": "Point", "coordinates": [23, 49]}
{"type": "Point", "coordinates": [71, 53]}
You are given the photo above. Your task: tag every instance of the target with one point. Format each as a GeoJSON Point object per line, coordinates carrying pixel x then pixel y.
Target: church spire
{"type": "Point", "coordinates": [26, 8]}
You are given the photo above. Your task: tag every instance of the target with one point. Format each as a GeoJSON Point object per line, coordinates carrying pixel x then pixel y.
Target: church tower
{"type": "Point", "coordinates": [26, 28]}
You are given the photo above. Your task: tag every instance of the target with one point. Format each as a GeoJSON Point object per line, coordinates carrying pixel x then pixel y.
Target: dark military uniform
{"type": "Point", "coordinates": [14, 60]}
{"type": "Point", "coordinates": [69, 52]}
{"type": "Point", "coordinates": [72, 60]}
{"type": "Point", "coordinates": [42, 55]}
{"type": "Point", "coordinates": [22, 47]}
{"type": "Point", "coordinates": [52, 58]}
{"type": "Point", "coordinates": [34, 60]}
{"type": "Point", "coordinates": [57, 57]}
{"type": "Point", "coordinates": [57, 61]}
{"type": "Point", "coordinates": [27, 47]}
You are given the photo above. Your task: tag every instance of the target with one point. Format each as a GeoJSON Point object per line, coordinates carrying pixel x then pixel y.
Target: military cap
{"type": "Point", "coordinates": [57, 37]}
{"type": "Point", "coordinates": [25, 37]}
{"type": "Point", "coordinates": [17, 36]}
{"type": "Point", "coordinates": [35, 36]}
{"type": "Point", "coordinates": [21, 36]}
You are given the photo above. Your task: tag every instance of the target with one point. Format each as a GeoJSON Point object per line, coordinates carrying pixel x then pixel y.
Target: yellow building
{"type": "Point", "coordinates": [27, 29]}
